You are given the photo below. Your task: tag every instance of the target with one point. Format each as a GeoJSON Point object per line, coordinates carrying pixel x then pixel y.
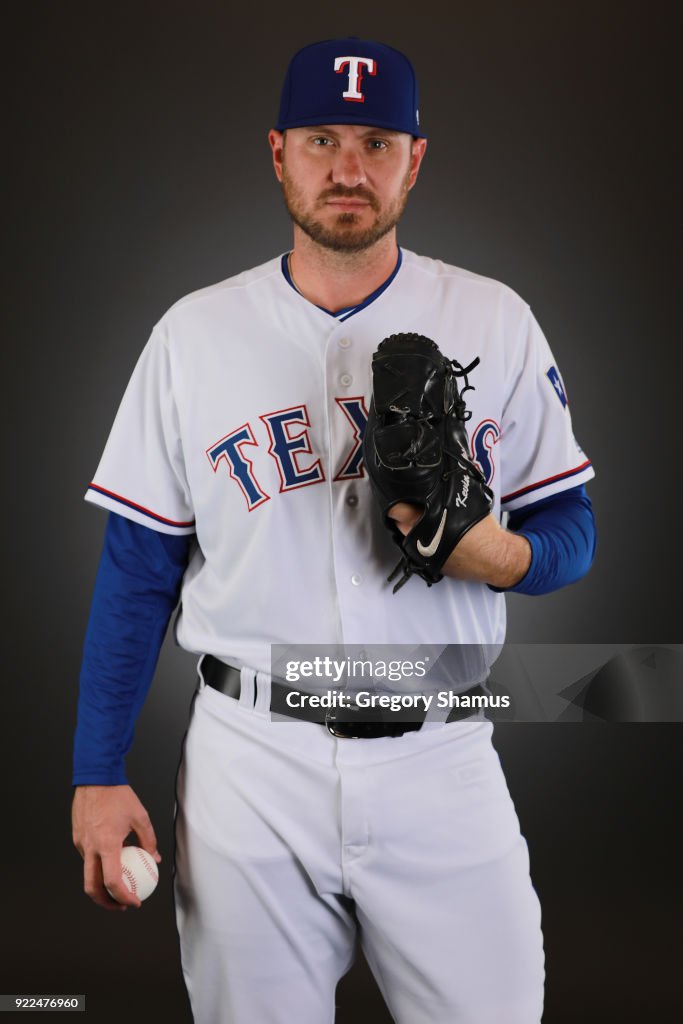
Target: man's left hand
{"type": "Point", "coordinates": [487, 552]}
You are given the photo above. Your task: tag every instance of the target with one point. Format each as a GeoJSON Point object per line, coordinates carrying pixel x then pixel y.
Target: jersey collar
{"type": "Point", "coordinates": [344, 314]}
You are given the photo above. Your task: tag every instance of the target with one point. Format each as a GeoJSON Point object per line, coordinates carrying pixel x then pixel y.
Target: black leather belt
{"type": "Point", "coordinates": [345, 723]}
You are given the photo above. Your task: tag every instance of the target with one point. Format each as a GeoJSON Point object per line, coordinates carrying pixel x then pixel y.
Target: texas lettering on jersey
{"type": "Point", "coordinates": [289, 444]}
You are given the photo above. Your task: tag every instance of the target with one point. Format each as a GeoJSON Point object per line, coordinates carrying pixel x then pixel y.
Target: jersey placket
{"type": "Point", "coordinates": [346, 386]}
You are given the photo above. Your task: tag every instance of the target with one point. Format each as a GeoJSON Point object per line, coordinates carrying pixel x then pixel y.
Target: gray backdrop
{"type": "Point", "coordinates": [138, 171]}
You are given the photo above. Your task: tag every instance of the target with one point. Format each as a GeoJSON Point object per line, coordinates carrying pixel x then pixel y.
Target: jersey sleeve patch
{"type": "Point", "coordinates": [553, 376]}
{"type": "Point", "coordinates": [98, 495]}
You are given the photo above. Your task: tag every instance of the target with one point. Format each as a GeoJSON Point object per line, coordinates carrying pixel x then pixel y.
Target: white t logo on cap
{"type": "Point", "coordinates": [355, 65]}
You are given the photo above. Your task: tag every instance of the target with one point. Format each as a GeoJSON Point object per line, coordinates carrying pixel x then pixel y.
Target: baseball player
{"type": "Point", "coordinates": [235, 482]}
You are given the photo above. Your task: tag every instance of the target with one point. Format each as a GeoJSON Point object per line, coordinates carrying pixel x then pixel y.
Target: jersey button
{"type": "Point", "coordinates": [356, 579]}
{"type": "Point", "coordinates": [346, 380]}
{"type": "Point", "coordinates": [344, 342]}
{"type": "Point", "coordinates": [352, 500]}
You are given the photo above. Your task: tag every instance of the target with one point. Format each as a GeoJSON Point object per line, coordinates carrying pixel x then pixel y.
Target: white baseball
{"type": "Point", "coordinates": [139, 871]}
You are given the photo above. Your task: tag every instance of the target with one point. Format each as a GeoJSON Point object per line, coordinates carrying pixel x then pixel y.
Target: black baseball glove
{"type": "Point", "coordinates": [416, 451]}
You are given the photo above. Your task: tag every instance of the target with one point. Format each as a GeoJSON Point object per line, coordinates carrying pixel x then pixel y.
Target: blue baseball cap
{"type": "Point", "coordinates": [350, 81]}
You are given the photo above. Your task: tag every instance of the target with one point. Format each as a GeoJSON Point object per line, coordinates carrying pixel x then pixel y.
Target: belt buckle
{"type": "Point", "coordinates": [367, 729]}
{"type": "Point", "coordinates": [337, 728]}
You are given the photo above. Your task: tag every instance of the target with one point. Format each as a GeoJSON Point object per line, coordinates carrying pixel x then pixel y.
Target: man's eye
{"type": "Point", "coordinates": [377, 144]}
{"type": "Point", "coordinates": [322, 140]}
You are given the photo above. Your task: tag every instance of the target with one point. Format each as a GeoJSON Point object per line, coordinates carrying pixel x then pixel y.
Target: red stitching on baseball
{"type": "Point", "coordinates": [153, 873]}
{"type": "Point", "coordinates": [127, 873]}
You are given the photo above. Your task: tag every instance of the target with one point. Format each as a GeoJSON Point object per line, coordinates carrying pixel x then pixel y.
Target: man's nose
{"type": "Point", "coordinates": [348, 169]}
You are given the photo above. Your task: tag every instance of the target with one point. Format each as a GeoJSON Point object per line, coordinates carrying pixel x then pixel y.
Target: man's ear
{"type": "Point", "coordinates": [419, 148]}
{"type": "Point", "coordinates": [276, 140]}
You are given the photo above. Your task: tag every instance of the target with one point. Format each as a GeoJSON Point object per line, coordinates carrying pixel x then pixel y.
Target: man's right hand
{"type": "Point", "coordinates": [102, 817]}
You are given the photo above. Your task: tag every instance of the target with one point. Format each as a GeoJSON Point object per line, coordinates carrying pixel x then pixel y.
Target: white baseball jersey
{"type": "Point", "coordinates": [243, 422]}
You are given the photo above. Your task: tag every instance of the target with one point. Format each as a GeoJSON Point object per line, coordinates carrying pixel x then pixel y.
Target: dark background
{"type": "Point", "coordinates": [137, 170]}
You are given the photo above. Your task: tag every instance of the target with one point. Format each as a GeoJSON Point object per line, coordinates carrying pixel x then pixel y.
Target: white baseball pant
{"type": "Point", "coordinates": [290, 843]}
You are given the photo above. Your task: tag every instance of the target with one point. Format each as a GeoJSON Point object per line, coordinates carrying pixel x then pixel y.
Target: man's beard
{"type": "Point", "coordinates": [344, 235]}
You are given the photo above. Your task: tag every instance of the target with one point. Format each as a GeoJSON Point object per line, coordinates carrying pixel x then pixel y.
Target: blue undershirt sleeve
{"type": "Point", "coordinates": [562, 534]}
{"type": "Point", "coordinates": [136, 589]}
